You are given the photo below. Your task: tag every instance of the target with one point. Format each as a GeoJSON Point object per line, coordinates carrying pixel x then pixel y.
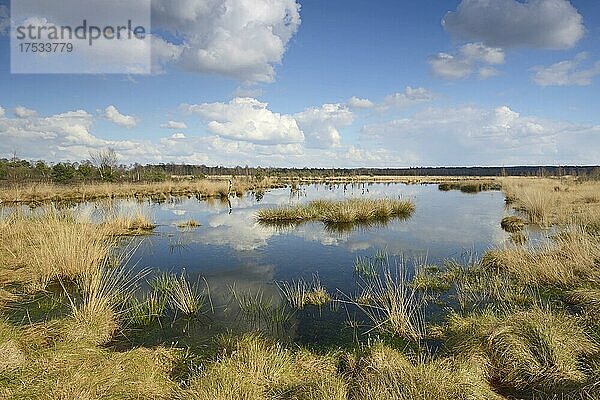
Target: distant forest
{"type": "Point", "coordinates": [103, 167]}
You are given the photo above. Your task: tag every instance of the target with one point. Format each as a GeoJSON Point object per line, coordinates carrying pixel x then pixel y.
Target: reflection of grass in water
{"type": "Point", "coordinates": [178, 244]}
{"type": "Point", "coordinates": [300, 293]}
{"type": "Point", "coordinates": [512, 224]}
{"type": "Point", "coordinates": [261, 312]}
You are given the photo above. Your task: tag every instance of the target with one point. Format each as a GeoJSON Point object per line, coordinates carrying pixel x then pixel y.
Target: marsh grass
{"type": "Point", "coordinates": [524, 325]}
{"type": "Point", "coordinates": [391, 303]}
{"type": "Point", "coordinates": [44, 193]}
{"type": "Point", "coordinates": [261, 312]}
{"type": "Point", "coordinates": [300, 293]}
{"type": "Point", "coordinates": [190, 299]}
{"type": "Point", "coordinates": [147, 310]}
{"type": "Point", "coordinates": [433, 278]}
{"type": "Point", "coordinates": [40, 248]}
{"type": "Point", "coordinates": [536, 350]}
{"type": "Point", "coordinates": [104, 292]}
{"type": "Point", "coordinates": [384, 373]}
{"type": "Point", "coordinates": [343, 212]}
{"type": "Point", "coordinates": [548, 201]}
{"type": "Point", "coordinates": [367, 267]}
{"type": "Point", "coordinates": [585, 298]}
{"type": "Point", "coordinates": [190, 223]}
{"type": "Point", "coordinates": [252, 368]}
{"type": "Point", "coordinates": [317, 295]}
{"type": "Point", "coordinates": [138, 224]}
{"type": "Point", "coordinates": [470, 186]}
{"type": "Point", "coordinates": [570, 258]}
{"type": "Point", "coordinates": [512, 224]}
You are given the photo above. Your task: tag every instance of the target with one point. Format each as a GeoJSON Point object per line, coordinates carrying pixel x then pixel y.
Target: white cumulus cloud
{"type": "Point", "coordinates": [566, 73]}
{"type": "Point", "coordinates": [480, 136]}
{"type": "Point", "coordinates": [321, 124]}
{"type": "Point", "coordinates": [357, 103]}
{"type": "Point", "coordinates": [410, 96]}
{"type": "Point", "coordinates": [248, 119]}
{"type": "Point", "coordinates": [548, 24]}
{"type": "Point", "coordinates": [243, 39]}
{"type": "Point", "coordinates": [174, 125]}
{"type": "Point", "coordinates": [23, 112]}
{"type": "Point", "coordinates": [478, 52]}
{"type": "Point", "coordinates": [112, 114]}
{"type": "Point", "coordinates": [471, 57]}
{"type": "Point", "coordinates": [59, 137]}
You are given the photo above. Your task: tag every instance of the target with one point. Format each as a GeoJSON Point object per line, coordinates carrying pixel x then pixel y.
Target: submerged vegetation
{"type": "Point", "coordinates": [521, 322]}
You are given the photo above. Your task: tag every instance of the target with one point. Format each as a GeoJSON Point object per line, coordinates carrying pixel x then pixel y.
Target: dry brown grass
{"type": "Point", "coordinates": [254, 369]}
{"type": "Point", "coordinates": [348, 211]}
{"type": "Point", "coordinates": [138, 224]}
{"type": "Point", "coordinates": [357, 179]}
{"type": "Point", "coordinates": [539, 349]}
{"type": "Point", "coordinates": [39, 248]}
{"type": "Point", "coordinates": [571, 258]}
{"type": "Point", "coordinates": [549, 201]}
{"type": "Point", "coordinates": [42, 193]}
{"type": "Point", "coordinates": [386, 374]}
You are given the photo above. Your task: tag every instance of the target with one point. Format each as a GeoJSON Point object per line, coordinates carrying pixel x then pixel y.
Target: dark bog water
{"type": "Point", "coordinates": [231, 249]}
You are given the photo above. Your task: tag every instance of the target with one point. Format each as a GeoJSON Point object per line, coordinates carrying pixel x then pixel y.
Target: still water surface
{"type": "Point", "coordinates": [231, 249]}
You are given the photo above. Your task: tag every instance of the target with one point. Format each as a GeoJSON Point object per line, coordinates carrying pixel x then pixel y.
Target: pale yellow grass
{"type": "Point", "coordinates": [41, 193]}
{"type": "Point", "coordinates": [571, 258]}
{"type": "Point", "coordinates": [549, 201]}
{"type": "Point", "coordinates": [35, 249]}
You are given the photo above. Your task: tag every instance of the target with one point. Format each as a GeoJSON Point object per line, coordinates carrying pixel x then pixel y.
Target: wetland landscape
{"type": "Point", "coordinates": [299, 200]}
{"type": "Point", "coordinates": [358, 290]}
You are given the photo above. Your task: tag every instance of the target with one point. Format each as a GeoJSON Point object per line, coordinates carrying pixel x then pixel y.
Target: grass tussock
{"type": "Point", "coordinates": [190, 223]}
{"type": "Point", "coordinates": [339, 212]}
{"type": "Point", "coordinates": [571, 258]}
{"type": "Point", "coordinates": [254, 369]}
{"type": "Point", "coordinates": [300, 293]}
{"type": "Point", "coordinates": [104, 291]}
{"type": "Point", "coordinates": [470, 186]}
{"type": "Point", "coordinates": [38, 249]}
{"type": "Point", "coordinates": [123, 226]}
{"type": "Point", "coordinates": [71, 371]}
{"type": "Point", "coordinates": [188, 298]}
{"type": "Point", "coordinates": [385, 374]}
{"type": "Point", "coordinates": [392, 304]}
{"type": "Point", "coordinates": [512, 224]}
{"type": "Point", "coordinates": [538, 350]}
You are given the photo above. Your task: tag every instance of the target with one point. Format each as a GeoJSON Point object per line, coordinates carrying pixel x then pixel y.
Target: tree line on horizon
{"type": "Point", "coordinates": [103, 167]}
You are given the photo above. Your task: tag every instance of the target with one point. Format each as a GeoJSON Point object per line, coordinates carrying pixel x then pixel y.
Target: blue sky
{"type": "Point", "coordinates": [344, 84]}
